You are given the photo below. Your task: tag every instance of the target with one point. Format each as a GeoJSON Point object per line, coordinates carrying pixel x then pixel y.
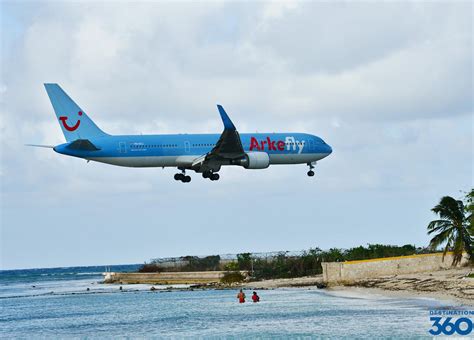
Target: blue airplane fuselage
{"type": "Point", "coordinates": [172, 150]}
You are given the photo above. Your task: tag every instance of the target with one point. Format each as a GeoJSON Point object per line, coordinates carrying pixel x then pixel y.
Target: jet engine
{"type": "Point", "coordinates": [255, 160]}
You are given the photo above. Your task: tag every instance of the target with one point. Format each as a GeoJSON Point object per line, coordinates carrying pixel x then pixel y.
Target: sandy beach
{"type": "Point", "coordinates": [450, 284]}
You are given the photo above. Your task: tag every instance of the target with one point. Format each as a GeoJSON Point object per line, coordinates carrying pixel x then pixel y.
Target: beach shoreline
{"type": "Point", "coordinates": [357, 292]}
{"type": "Point", "coordinates": [450, 284]}
{"type": "Point", "coordinates": [445, 284]}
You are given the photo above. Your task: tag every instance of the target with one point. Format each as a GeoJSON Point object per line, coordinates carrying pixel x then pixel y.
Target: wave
{"type": "Point", "coordinates": [22, 279]}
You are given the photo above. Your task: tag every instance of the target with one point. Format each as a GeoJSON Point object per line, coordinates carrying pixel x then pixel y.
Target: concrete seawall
{"type": "Point", "coordinates": [352, 271]}
{"type": "Point", "coordinates": [164, 277]}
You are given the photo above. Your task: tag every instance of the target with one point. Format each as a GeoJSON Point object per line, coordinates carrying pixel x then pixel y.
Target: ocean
{"type": "Point", "coordinates": [71, 302]}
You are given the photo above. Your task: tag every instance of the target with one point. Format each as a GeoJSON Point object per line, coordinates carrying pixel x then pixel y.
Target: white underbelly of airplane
{"type": "Point", "coordinates": [175, 161]}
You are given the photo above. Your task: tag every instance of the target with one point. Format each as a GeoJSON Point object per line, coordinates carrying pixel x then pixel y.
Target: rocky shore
{"type": "Point", "coordinates": [450, 284]}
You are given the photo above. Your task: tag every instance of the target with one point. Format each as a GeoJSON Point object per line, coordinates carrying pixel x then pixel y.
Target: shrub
{"type": "Point", "coordinates": [245, 261]}
{"type": "Point", "coordinates": [149, 268]}
{"type": "Point", "coordinates": [201, 264]}
{"type": "Point", "coordinates": [232, 277]}
{"type": "Point", "coordinates": [232, 266]}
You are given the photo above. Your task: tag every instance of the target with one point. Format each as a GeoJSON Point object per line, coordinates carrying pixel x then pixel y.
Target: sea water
{"type": "Point", "coordinates": [71, 302]}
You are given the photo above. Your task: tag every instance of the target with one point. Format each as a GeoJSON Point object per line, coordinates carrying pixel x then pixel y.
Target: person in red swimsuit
{"type": "Point", "coordinates": [241, 296]}
{"type": "Point", "coordinates": [255, 297]}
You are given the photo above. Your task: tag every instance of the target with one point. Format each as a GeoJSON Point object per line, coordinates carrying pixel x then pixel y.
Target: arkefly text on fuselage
{"type": "Point", "coordinates": [202, 153]}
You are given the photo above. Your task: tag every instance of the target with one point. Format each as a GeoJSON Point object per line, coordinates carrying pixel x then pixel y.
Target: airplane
{"type": "Point", "coordinates": [202, 153]}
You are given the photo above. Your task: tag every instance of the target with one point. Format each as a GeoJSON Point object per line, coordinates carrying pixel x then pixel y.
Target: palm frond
{"type": "Point", "coordinates": [438, 224]}
{"type": "Point", "coordinates": [450, 209]}
{"type": "Point", "coordinates": [441, 238]}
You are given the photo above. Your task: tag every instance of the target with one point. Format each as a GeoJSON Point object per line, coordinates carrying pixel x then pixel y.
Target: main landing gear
{"type": "Point", "coordinates": [311, 167]}
{"type": "Point", "coordinates": [211, 175]}
{"type": "Point", "coordinates": [182, 177]}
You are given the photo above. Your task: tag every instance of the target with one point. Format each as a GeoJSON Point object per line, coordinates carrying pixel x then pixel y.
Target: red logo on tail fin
{"type": "Point", "coordinates": [70, 128]}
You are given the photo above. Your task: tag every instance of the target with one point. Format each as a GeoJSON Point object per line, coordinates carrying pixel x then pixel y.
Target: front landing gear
{"type": "Point", "coordinates": [311, 167]}
{"type": "Point", "coordinates": [182, 177]}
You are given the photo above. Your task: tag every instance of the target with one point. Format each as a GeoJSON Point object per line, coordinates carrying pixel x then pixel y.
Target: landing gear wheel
{"type": "Point", "coordinates": [179, 177]}
{"type": "Point", "coordinates": [186, 179]}
{"type": "Point", "coordinates": [215, 177]}
{"type": "Point", "coordinates": [311, 167]}
{"type": "Point", "coordinates": [206, 174]}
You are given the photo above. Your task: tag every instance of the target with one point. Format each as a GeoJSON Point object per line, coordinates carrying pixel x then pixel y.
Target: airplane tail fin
{"type": "Point", "coordinates": [73, 120]}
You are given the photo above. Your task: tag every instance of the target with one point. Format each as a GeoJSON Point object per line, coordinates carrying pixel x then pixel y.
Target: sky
{"type": "Point", "coordinates": [388, 85]}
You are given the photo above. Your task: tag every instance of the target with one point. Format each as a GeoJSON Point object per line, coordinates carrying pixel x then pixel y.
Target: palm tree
{"type": "Point", "coordinates": [453, 228]}
{"type": "Point", "coordinates": [470, 212]}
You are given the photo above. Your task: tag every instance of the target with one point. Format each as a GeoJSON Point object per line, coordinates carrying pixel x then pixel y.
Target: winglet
{"type": "Point", "coordinates": [228, 125]}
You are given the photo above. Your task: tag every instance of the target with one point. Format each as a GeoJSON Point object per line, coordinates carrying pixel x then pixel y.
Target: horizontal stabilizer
{"type": "Point", "coordinates": [83, 145]}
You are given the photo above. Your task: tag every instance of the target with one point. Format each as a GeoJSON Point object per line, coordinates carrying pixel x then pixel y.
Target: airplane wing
{"type": "Point", "coordinates": [228, 147]}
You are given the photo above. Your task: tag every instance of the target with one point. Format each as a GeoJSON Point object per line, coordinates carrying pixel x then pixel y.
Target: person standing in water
{"type": "Point", "coordinates": [255, 297]}
{"type": "Point", "coordinates": [241, 296]}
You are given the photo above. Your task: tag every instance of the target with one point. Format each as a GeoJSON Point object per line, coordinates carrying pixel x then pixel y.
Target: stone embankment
{"type": "Point", "coordinates": [426, 274]}
{"type": "Point", "coordinates": [164, 278]}
{"type": "Point", "coordinates": [351, 271]}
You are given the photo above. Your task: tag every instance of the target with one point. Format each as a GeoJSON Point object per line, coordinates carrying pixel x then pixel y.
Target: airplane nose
{"type": "Point", "coordinates": [329, 149]}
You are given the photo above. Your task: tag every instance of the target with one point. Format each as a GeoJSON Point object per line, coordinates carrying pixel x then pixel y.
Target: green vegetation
{"type": "Point", "coordinates": [309, 263]}
{"type": "Point", "coordinates": [184, 264]}
{"type": "Point", "coordinates": [149, 268]}
{"type": "Point", "coordinates": [471, 275]}
{"type": "Point", "coordinates": [374, 251]}
{"type": "Point", "coordinates": [470, 213]}
{"type": "Point", "coordinates": [232, 277]}
{"type": "Point", "coordinates": [454, 229]}
{"type": "Point", "coordinates": [283, 265]}
{"type": "Point", "coordinates": [244, 261]}
{"type": "Point", "coordinates": [196, 263]}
